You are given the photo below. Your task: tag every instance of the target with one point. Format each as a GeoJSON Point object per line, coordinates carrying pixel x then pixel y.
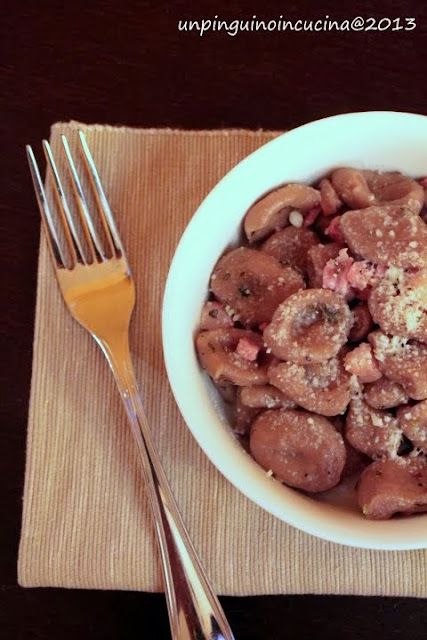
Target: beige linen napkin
{"type": "Point", "coordinates": [86, 521]}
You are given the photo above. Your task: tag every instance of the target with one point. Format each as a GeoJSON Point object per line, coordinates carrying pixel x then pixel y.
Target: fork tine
{"type": "Point", "coordinates": [74, 245]}
{"type": "Point", "coordinates": [106, 214]}
{"type": "Point", "coordinates": [51, 235]}
{"type": "Point", "coordinates": [92, 237]}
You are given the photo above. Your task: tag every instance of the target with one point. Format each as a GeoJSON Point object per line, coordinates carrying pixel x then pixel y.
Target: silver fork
{"type": "Point", "coordinates": [98, 289]}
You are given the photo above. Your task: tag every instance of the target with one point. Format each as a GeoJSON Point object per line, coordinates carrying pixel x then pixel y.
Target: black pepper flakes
{"type": "Point", "coordinates": [330, 313]}
{"type": "Point", "coordinates": [244, 291]}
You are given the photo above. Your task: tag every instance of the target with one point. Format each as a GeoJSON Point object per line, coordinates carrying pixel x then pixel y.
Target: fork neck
{"type": "Point", "coordinates": [116, 350]}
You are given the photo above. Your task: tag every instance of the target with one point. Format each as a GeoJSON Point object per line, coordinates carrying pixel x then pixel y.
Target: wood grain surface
{"type": "Point", "coordinates": [128, 63]}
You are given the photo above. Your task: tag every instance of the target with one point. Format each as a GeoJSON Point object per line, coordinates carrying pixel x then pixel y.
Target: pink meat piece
{"type": "Point", "coordinates": [335, 274]}
{"type": "Point", "coordinates": [333, 230]}
{"type": "Point", "coordinates": [423, 182]}
{"type": "Point", "coordinates": [311, 215]}
{"type": "Point", "coordinates": [263, 326]}
{"type": "Point", "coordinates": [247, 349]}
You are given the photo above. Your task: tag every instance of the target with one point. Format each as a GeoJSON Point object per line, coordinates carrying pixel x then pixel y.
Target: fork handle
{"type": "Point", "coordinates": [194, 610]}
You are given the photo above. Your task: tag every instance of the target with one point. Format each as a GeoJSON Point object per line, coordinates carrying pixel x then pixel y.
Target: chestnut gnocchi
{"type": "Point", "coordinates": [316, 327]}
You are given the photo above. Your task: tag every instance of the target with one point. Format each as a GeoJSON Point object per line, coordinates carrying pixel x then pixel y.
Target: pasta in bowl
{"type": "Point", "coordinates": [305, 327]}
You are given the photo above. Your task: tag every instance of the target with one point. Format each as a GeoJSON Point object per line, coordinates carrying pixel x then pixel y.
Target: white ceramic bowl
{"type": "Point", "coordinates": [377, 140]}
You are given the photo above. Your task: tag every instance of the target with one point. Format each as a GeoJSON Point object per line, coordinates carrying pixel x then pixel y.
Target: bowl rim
{"type": "Point", "coordinates": [257, 485]}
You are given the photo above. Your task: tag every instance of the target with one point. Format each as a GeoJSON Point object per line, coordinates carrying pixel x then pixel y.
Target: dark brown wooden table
{"type": "Point", "coordinates": [128, 63]}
